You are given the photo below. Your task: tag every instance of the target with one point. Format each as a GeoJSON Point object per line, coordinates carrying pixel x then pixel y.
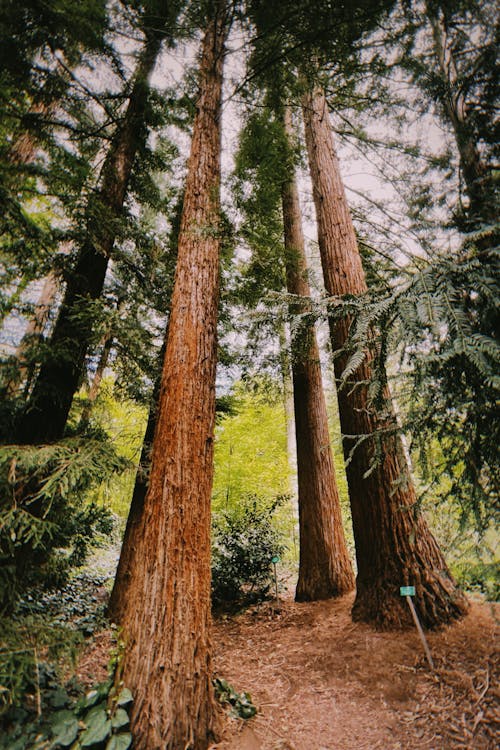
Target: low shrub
{"type": "Point", "coordinates": [244, 543]}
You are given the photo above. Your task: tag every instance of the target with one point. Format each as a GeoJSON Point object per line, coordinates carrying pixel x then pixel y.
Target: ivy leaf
{"type": "Point", "coordinates": [125, 697]}
{"type": "Point", "coordinates": [59, 698]}
{"type": "Point", "coordinates": [91, 699]}
{"type": "Point", "coordinates": [120, 719]}
{"type": "Point", "coordinates": [64, 727]}
{"type": "Point", "coordinates": [98, 727]}
{"type": "Point", "coordinates": [119, 741]}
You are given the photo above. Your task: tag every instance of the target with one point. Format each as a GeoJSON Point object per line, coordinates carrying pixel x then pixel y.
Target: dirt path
{"type": "Point", "coordinates": [322, 682]}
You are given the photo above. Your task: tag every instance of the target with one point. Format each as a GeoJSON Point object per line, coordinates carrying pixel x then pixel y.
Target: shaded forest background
{"type": "Point", "coordinates": [112, 120]}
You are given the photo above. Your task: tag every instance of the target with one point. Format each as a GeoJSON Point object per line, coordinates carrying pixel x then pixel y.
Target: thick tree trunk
{"type": "Point", "coordinates": [325, 569]}
{"type": "Point", "coordinates": [166, 626]}
{"type": "Point", "coordinates": [47, 411]}
{"type": "Point", "coordinates": [394, 546]}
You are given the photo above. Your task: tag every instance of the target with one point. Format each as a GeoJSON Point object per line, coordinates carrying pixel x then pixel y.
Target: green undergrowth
{"type": "Point", "coordinates": [241, 706]}
{"type": "Point", "coordinates": [245, 540]}
{"type": "Point", "coordinates": [480, 577]}
{"type": "Point", "coordinates": [98, 720]}
{"type": "Point", "coordinates": [39, 649]}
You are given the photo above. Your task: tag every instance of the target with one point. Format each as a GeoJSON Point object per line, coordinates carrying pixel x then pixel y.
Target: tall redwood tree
{"type": "Point", "coordinates": [394, 545]}
{"type": "Point", "coordinates": [325, 568]}
{"type": "Point", "coordinates": [166, 625]}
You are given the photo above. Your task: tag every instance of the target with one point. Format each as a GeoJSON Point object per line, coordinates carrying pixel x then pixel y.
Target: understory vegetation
{"type": "Point", "coordinates": [41, 644]}
{"type": "Point", "coordinates": [249, 330]}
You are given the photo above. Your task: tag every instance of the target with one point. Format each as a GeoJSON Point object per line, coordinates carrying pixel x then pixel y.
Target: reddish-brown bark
{"type": "Point", "coordinates": [166, 625]}
{"type": "Point", "coordinates": [394, 545]}
{"type": "Point", "coordinates": [325, 569]}
{"type": "Point", "coordinates": [107, 346]}
{"type": "Point", "coordinates": [132, 536]}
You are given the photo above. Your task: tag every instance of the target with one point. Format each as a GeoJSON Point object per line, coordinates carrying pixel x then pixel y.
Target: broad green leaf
{"type": "Point", "coordinates": [120, 719]}
{"type": "Point", "coordinates": [119, 741]}
{"type": "Point", "coordinates": [247, 711]}
{"type": "Point", "coordinates": [91, 698]}
{"type": "Point", "coordinates": [19, 744]}
{"type": "Point", "coordinates": [59, 698]}
{"type": "Point", "coordinates": [64, 726]}
{"type": "Point", "coordinates": [125, 697]}
{"type": "Point", "coordinates": [98, 727]}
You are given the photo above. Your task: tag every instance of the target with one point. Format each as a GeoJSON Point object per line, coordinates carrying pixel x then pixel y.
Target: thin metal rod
{"type": "Point", "coordinates": [420, 632]}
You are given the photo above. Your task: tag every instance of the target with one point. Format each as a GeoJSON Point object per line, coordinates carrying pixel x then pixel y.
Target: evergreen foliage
{"type": "Point", "coordinates": [431, 313]}
{"type": "Point", "coordinates": [438, 312]}
{"type": "Point", "coordinates": [245, 541]}
{"type": "Point", "coordinates": [46, 525]}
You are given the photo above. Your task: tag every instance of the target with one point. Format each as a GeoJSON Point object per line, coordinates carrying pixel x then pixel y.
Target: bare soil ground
{"type": "Point", "coordinates": [322, 682]}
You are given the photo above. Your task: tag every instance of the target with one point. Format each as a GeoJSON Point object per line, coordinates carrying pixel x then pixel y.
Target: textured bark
{"type": "Point", "coordinates": [291, 448]}
{"type": "Point", "coordinates": [166, 625]}
{"type": "Point", "coordinates": [47, 411]}
{"type": "Point", "coordinates": [394, 546]}
{"type": "Point", "coordinates": [325, 569]}
{"type": "Point", "coordinates": [132, 536]}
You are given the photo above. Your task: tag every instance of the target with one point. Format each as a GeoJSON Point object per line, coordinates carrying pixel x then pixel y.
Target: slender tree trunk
{"type": "Point", "coordinates": [22, 153]}
{"type": "Point", "coordinates": [34, 329]}
{"type": "Point", "coordinates": [47, 411]}
{"type": "Point", "coordinates": [325, 569]}
{"type": "Point", "coordinates": [107, 346]}
{"type": "Point", "coordinates": [131, 538]}
{"type": "Point", "coordinates": [286, 377]}
{"type": "Point", "coordinates": [167, 661]}
{"type": "Point", "coordinates": [454, 106]}
{"type": "Point", "coordinates": [394, 546]}
{"type": "Point", "coordinates": [23, 149]}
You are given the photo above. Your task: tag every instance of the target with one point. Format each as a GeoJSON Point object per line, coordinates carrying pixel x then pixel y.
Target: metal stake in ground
{"type": "Point", "coordinates": [275, 560]}
{"type": "Point", "coordinates": [408, 592]}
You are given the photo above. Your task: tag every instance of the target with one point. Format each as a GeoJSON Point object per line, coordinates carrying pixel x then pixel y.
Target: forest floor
{"type": "Point", "coordinates": [322, 682]}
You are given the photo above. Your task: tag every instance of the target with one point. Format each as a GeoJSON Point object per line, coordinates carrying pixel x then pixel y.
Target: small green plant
{"type": "Point", "coordinates": [241, 703]}
{"type": "Point", "coordinates": [33, 653]}
{"type": "Point", "coordinates": [40, 643]}
{"type": "Point", "coordinates": [245, 540]}
{"type": "Point", "coordinates": [98, 720]}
